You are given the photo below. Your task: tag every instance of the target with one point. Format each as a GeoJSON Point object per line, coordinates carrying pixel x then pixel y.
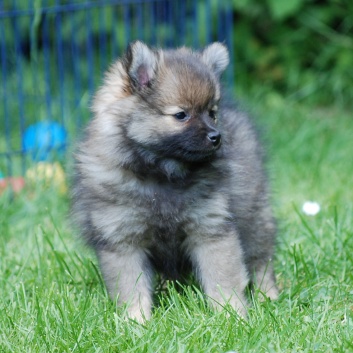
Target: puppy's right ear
{"type": "Point", "coordinates": [141, 64]}
{"type": "Point", "coordinates": [216, 56]}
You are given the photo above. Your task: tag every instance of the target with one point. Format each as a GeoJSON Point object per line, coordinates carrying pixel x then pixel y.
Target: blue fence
{"type": "Point", "coordinates": [53, 54]}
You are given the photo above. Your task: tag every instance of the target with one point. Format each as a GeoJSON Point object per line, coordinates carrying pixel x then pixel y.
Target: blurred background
{"type": "Point", "coordinates": [54, 52]}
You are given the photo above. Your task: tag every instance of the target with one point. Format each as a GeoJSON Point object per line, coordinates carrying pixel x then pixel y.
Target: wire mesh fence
{"type": "Point", "coordinates": [53, 54]}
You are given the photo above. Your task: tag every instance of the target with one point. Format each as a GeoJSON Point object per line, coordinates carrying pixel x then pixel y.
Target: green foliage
{"type": "Point", "coordinates": [299, 48]}
{"type": "Point", "coordinates": [282, 9]}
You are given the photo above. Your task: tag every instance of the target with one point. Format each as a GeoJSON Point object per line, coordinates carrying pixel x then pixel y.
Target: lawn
{"type": "Point", "coordinates": [53, 298]}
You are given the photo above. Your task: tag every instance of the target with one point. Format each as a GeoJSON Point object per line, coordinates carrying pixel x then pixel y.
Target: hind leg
{"type": "Point", "coordinates": [258, 237]}
{"type": "Point", "coordinates": [264, 279]}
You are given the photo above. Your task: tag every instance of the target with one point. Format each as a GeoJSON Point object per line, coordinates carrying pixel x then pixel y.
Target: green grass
{"type": "Point", "coordinates": [52, 298]}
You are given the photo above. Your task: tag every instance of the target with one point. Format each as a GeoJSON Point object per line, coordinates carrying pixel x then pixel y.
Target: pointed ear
{"type": "Point", "coordinates": [216, 56]}
{"type": "Point", "coordinates": [141, 64]}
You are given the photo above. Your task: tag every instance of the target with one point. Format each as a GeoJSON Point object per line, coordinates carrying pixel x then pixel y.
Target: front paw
{"type": "Point", "coordinates": [238, 302]}
{"type": "Point", "coordinates": [138, 313]}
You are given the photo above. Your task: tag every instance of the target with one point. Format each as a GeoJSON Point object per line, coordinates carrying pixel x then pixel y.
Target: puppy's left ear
{"type": "Point", "coordinates": [216, 56]}
{"type": "Point", "coordinates": [141, 63]}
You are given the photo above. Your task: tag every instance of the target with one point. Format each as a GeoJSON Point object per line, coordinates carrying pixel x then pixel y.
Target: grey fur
{"type": "Point", "coordinates": [156, 191]}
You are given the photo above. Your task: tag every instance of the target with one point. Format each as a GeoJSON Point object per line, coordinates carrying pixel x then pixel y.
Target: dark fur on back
{"type": "Point", "coordinates": [170, 178]}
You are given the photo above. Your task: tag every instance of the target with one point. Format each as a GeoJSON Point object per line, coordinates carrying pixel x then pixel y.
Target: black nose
{"type": "Point", "coordinates": [214, 137]}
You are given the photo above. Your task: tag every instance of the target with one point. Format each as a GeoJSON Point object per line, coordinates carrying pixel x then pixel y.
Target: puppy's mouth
{"type": "Point", "coordinates": [191, 151]}
{"type": "Point", "coordinates": [193, 155]}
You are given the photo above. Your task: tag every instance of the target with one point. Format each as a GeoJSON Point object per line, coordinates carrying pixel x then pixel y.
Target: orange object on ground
{"type": "Point", "coordinates": [16, 183]}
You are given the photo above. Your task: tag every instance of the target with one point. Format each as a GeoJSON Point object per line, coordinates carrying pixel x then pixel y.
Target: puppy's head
{"type": "Point", "coordinates": [176, 95]}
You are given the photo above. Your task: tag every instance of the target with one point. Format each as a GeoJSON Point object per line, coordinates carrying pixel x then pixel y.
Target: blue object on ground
{"type": "Point", "coordinates": [44, 140]}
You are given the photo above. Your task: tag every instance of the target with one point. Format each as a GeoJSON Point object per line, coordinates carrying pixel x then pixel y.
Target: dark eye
{"type": "Point", "coordinates": [180, 116]}
{"type": "Point", "coordinates": [212, 114]}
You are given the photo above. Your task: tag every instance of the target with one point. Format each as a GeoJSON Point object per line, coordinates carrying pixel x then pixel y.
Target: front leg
{"type": "Point", "coordinates": [127, 276]}
{"type": "Point", "coordinates": [219, 266]}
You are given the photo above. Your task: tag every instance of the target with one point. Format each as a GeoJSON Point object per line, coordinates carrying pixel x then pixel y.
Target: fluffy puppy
{"type": "Point", "coordinates": [169, 178]}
